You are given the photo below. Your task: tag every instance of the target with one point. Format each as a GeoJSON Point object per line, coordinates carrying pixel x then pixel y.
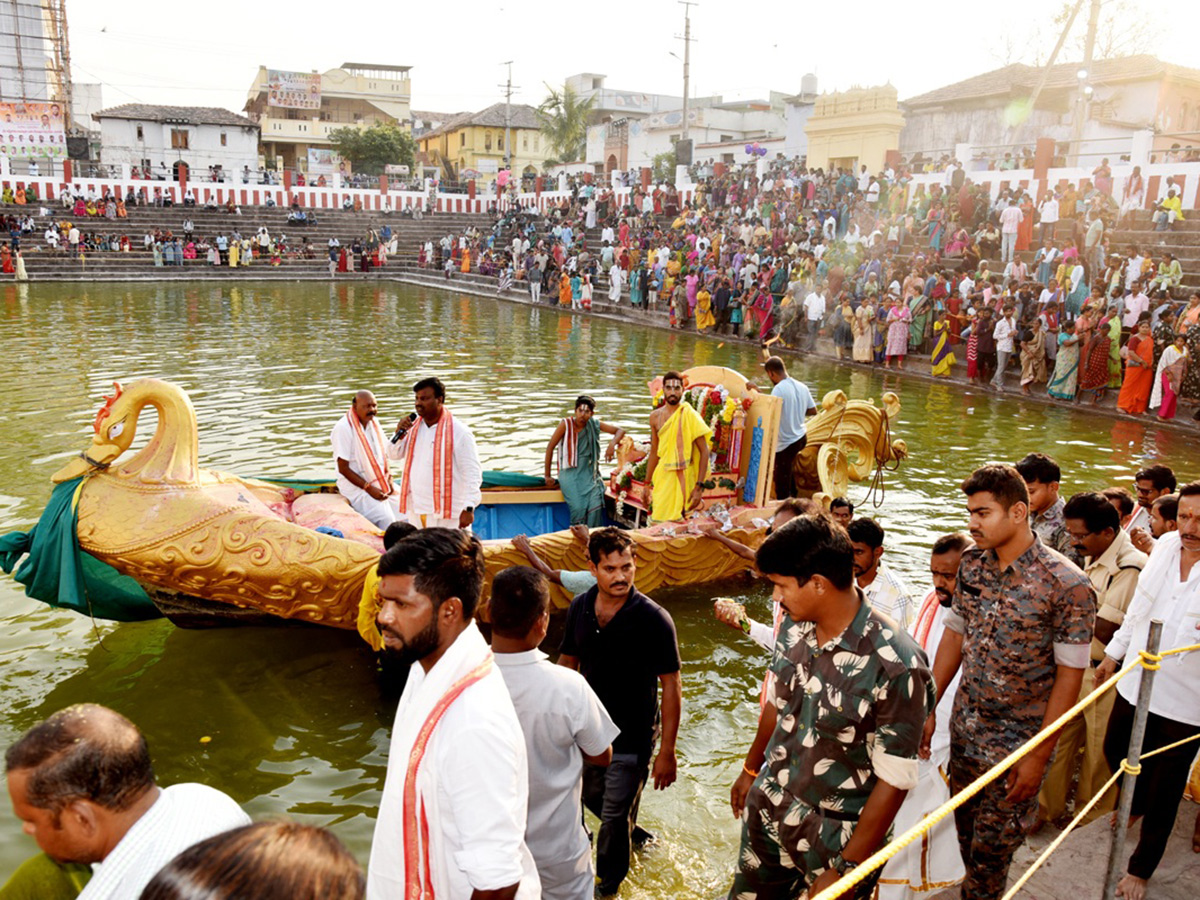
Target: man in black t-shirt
{"type": "Point", "coordinates": [624, 644]}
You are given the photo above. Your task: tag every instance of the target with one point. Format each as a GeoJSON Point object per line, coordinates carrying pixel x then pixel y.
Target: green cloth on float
{"type": "Point", "coordinates": [59, 573]}
{"type": "Point", "coordinates": [41, 878]}
{"type": "Point", "coordinates": [581, 484]}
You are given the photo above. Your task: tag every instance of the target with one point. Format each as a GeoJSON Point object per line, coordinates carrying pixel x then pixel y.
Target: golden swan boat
{"type": "Point", "coordinates": [204, 543]}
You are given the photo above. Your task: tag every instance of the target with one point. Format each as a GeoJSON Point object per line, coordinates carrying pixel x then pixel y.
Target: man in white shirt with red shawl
{"type": "Point", "coordinates": [360, 455]}
{"type": "Point", "coordinates": [440, 478]}
{"type": "Point", "coordinates": [453, 814]}
{"type": "Point", "coordinates": [934, 863]}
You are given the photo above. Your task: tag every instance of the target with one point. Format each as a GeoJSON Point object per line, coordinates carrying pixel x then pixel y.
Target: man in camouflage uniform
{"type": "Point", "coordinates": [841, 728]}
{"type": "Point", "coordinates": [1020, 625]}
{"type": "Point", "coordinates": [1042, 476]}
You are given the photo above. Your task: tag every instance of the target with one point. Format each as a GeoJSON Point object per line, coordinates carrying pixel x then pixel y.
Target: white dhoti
{"type": "Point", "coordinates": [381, 513]}
{"type": "Point", "coordinates": [426, 520]}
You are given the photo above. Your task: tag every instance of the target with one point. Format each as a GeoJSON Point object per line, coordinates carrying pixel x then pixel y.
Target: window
{"type": "Point", "coordinates": [224, 139]}
{"type": "Point", "coordinates": [487, 140]}
{"type": "Point", "coordinates": [525, 142]}
{"type": "Point", "coordinates": [500, 142]}
{"type": "Point", "coordinates": [462, 139]}
{"type": "Point", "coordinates": [179, 139]}
{"type": "Point", "coordinates": [141, 137]}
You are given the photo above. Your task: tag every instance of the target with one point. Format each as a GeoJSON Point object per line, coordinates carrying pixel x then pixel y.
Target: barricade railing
{"type": "Point", "coordinates": [1149, 661]}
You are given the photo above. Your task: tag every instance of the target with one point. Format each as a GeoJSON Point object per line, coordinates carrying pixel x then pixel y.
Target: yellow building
{"type": "Point", "coordinates": [854, 128]}
{"type": "Point", "coordinates": [355, 95]}
{"type": "Point", "coordinates": [474, 142]}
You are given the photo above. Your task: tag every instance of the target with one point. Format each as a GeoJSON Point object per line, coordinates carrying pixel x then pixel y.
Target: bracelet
{"type": "Point", "coordinates": [749, 771]}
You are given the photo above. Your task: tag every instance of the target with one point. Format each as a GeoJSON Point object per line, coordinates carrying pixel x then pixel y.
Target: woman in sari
{"type": "Point", "coordinates": [1033, 357]}
{"type": "Point", "coordinates": [1065, 380]}
{"type": "Point", "coordinates": [1172, 369]}
{"type": "Point", "coordinates": [898, 319]}
{"type": "Point", "coordinates": [636, 286]}
{"type": "Point", "coordinates": [466, 260]}
{"type": "Point", "coordinates": [843, 328]}
{"type": "Point", "coordinates": [863, 331]}
{"type": "Point", "coordinates": [704, 314]}
{"type": "Point", "coordinates": [6, 263]}
{"type": "Point", "coordinates": [564, 290]}
{"type": "Point", "coordinates": [1114, 348]}
{"type": "Point", "coordinates": [936, 225]}
{"type": "Point", "coordinates": [789, 320]}
{"type": "Point", "coordinates": [343, 262]}
{"type": "Point", "coordinates": [22, 275]}
{"type": "Point", "coordinates": [943, 354]}
{"type": "Point", "coordinates": [1094, 361]}
{"type": "Point", "coordinates": [1025, 229]}
{"type": "Point", "coordinates": [881, 328]}
{"type": "Point", "coordinates": [973, 348]}
{"type": "Point", "coordinates": [1139, 372]}
{"type": "Point", "coordinates": [764, 313]}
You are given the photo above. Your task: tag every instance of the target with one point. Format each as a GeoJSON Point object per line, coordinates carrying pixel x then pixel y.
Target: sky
{"type": "Point", "coordinates": [148, 52]}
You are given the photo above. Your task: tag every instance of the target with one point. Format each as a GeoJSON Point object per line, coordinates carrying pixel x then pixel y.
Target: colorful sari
{"type": "Point", "coordinates": [943, 356]}
{"type": "Point", "coordinates": [1094, 362]}
{"type": "Point", "coordinates": [1172, 369]}
{"type": "Point", "coordinates": [1064, 382]}
{"type": "Point", "coordinates": [1139, 376]}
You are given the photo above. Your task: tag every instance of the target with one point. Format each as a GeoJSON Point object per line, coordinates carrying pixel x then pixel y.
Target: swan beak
{"type": "Point", "coordinates": [76, 468]}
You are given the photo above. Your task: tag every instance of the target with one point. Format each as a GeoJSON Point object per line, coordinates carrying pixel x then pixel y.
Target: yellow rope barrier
{"type": "Point", "coordinates": [1146, 660]}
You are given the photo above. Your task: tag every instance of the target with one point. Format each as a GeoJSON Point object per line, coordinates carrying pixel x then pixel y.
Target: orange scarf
{"type": "Point", "coordinates": [383, 478]}
{"type": "Point", "coordinates": [418, 883]}
{"type": "Point", "coordinates": [925, 617]}
{"type": "Point", "coordinates": [443, 466]}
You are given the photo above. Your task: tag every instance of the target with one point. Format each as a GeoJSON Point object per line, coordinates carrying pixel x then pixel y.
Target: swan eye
{"type": "Point", "coordinates": [116, 430]}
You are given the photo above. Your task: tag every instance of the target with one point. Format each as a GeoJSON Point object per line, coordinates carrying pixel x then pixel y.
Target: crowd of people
{"type": "Point", "coordinates": [875, 705]}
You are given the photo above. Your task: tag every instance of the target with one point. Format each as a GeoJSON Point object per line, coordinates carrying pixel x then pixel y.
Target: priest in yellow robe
{"type": "Point", "coordinates": [679, 452]}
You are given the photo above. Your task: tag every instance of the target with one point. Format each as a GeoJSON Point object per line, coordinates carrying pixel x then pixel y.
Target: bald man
{"type": "Point", "coordinates": [82, 784]}
{"type": "Point", "coordinates": [360, 453]}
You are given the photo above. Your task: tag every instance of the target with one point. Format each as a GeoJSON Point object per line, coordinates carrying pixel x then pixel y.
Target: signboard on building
{"type": "Point", "coordinates": [322, 161]}
{"type": "Point", "coordinates": [32, 130]}
{"type": "Point", "coordinates": [293, 90]}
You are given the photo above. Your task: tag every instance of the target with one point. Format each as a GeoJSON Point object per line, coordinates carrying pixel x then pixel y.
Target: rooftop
{"type": "Point", "coordinates": [374, 67]}
{"type": "Point", "coordinates": [183, 115]}
{"type": "Point", "coordinates": [521, 115]}
{"type": "Point", "coordinates": [1020, 79]}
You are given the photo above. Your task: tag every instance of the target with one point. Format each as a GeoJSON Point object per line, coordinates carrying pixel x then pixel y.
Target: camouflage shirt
{"type": "Point", "coordinates": [849, 711]}
{"type": "Point", "coordinates": [1018, 625]}
{"type": "Point", "coordinates": [1051, 527]}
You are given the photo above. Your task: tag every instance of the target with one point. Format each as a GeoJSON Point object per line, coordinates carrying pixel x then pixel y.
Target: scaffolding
{"type": "Point", "coordinates": [35, 56]}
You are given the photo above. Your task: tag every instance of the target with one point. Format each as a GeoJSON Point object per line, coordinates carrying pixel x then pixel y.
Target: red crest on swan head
{"type": "Point", "coordinates": [108, 403]}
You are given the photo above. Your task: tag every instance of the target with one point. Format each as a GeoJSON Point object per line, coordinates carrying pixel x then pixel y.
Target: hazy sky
{"type": "Point", "coordinates": [153, 52]}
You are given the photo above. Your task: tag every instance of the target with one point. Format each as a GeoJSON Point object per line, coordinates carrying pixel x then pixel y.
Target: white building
{"type": "Point", "coordinates": [797, 110]}
{"type": "Point", "coordinates": [158, 137]}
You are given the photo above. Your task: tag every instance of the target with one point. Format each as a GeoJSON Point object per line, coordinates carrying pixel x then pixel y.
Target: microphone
{"type": "Point", "coordinates": [400, 432]}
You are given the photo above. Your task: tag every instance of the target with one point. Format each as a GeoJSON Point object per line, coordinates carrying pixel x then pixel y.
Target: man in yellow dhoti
{"type": "Point", "coordinates": [678, 453]}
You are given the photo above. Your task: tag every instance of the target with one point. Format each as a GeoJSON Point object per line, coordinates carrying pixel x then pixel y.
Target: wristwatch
{"type": "Point", "coordinates": [469, 509]}
{"type": "Point", "coordinates": [841, 865]}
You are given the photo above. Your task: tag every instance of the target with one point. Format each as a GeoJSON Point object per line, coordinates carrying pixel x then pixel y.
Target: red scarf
{"type": "Point", "coordinates": [443, 466]}
{"type": "Point", "coordinates": [925, 617]}
{"type": "Point", "coordinates": [418, 883]}
{"type": "Point", "coordinates": [383, 478]}
{"type": "Point", "coordinates": [568, 451]}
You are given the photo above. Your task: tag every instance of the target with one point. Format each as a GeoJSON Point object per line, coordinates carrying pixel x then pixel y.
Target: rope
{"type": "Point", "coordinates": [1146, 660]}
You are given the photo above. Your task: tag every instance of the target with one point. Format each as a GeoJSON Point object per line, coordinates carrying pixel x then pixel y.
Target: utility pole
{"type": "Point", "coordinates": [508, 89]}
{"type": "Point", "coordinates": [687, 57]}
{"type": "Point", "coordinates": [1085, 74]}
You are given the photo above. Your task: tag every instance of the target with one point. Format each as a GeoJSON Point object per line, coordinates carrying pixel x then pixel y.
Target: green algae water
{"type": "Point", "coordinates": [294, 721]}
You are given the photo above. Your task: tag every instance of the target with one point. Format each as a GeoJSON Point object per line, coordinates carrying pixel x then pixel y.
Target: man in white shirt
{"type": "Point", "coordinates": [884, 590]}
{"type": "Point", "coordinates": [1010, 220]}
{"type": "Point", "coordinates": [1135, 304]}
{"type": "Point", "coordinates": [814, 313]}
{"type": "Point", "coordinates": [1049, 215]}
{"type": "Point", "coordinates": [83, 785]}
{"type": "Point", "coordinates": [933, 864]}
{"type": "Point", "coordinates": [452, 818]}
{"type": "Point", "coordinates": [1150, 483]}
{"type": "Point", "coordinates": [441, 478]}
{"type": "Point", "coordinates": [360, 457]}
{"type": "Point", "coordinates": [565, 725]}
{"type": "Point", "coordinates": [1168, 590]}
{"type": "Point", "coordinates": [1003, 334]}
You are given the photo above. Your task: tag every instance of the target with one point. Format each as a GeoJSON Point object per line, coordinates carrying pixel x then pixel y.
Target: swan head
{"type": "Point", "coordinates": [114, 428]}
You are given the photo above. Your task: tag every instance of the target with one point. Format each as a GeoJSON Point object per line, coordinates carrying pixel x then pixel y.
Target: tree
{"type": "Point", "coordinates": [369, 150]}
{"type": "Point", "coordinates": [564, 120]}
{"type": "Point", "coordinates": [1123, 29]}
{"type": "Point", "coordinates": [663, 167]}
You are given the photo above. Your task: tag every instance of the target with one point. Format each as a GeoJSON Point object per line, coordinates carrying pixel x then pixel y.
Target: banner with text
{"type": "Point", "coordinates": [323, 161]}
{"type": "Point", "coordinates": [32, 129]}
{"type": "Point", "coordinates": [293, 90]}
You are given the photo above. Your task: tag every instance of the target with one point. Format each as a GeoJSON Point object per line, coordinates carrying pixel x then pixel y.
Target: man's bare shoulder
{"type": "Point", "coordinates": [658, 416]}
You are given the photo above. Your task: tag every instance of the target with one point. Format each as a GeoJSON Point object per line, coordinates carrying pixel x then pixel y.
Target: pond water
{"type": "Point", "coordinates": [297, 719]}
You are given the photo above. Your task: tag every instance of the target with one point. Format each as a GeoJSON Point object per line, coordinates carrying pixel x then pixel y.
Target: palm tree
{"type": "Point", "coordinates": [564, 119]}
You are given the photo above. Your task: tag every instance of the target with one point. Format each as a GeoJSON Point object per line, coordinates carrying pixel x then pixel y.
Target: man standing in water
{"type": "Point", "coordinates": [827, 773]}
{"type": "Point", "coordinates": [1020, 627]}
{"type": "Point", "coordinates": [360, 454]}
{"type": "Point", "coordinates": [452, 818]}
{"type": "Point", "coordinates": [624, 644]}
{"type": "Point", "coordinates": [441, 480]}
{"type": "Point", "coordinates": [577, 440]}
{"type": "Point", "coordinates": [678, 454]}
